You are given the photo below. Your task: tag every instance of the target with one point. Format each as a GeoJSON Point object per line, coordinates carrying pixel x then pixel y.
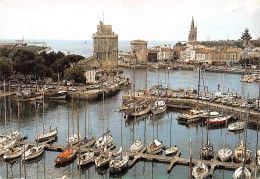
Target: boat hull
{"type": "Point", "coordinates": [30, 157]}
{"type": "Point", "coordinates": [140, 113]}
{"type": "Point", "coordinates": [65, 160]}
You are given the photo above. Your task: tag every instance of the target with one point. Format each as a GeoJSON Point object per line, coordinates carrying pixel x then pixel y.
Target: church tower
{"type": "Point", "coordinates": [192, 39]}
{"type": "Point", "coordinates": [246, 38]}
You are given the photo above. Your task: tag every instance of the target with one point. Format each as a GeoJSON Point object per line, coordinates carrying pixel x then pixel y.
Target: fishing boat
{"type": "Point", "coordinates": [66, 156]}
{"type": "Point", "coordinates": [85, 158]}
{"type": "Point", "coordinates": [200, 171]}
{"type": "Point", "coordinates": [239, 154]}
{"type": "Point", "coordinates": [33, 152]}
{"type": "Point", "coordinates": [218, 121]}
{"type": "Point", "coordinates": [192, 116]}
{"type": "Point", "coordinates": [56, 95]}
{"type": "Point", "coordinates": [241, 173]}
{"type": "Point", "coordinates": [239, 125]}
{"type": "Point", "coordinates": [46, 134]}
{"type": "Point", "coordinates": [158, 107]}
{"type": "Point", "coordinates": [172, 150]}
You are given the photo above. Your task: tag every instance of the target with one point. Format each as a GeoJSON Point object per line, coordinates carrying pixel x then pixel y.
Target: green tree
{"type": "Point", "coordinates": [6, 68]}
{"type": "Point", "coordinates": [75, 73]}
{"type": "Point", "coordinates": [51, 57]}
{"type": "Point", "coordinates": [23, 61]}
{"type": "Point", "coordinates": [40, 69]}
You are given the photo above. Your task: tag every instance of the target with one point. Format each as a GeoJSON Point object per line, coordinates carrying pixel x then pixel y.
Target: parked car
{"type": "Point", "coordinates": [235, 104]}
{"type": "Point", "coordinates": [243, 105]}
{"type": "Point", "coordinates": [251, 106]}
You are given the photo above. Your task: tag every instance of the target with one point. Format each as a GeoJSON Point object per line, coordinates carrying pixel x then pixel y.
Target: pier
{"type": "Point", "coordinates": [171, 160]}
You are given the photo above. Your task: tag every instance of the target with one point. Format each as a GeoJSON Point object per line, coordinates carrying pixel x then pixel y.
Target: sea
{"type": "Point", "coordinates": [60, 113]}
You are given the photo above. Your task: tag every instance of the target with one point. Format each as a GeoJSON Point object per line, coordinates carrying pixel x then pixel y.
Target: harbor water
{"type": "Point", "coordinates": [57, 111]}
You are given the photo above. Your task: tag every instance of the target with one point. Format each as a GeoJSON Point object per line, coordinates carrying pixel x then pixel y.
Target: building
{"type": "Point", "coordinates": [152, 56]}
{"type": "Point", "coordinates": [105, 46]}
{"type": "Point", "coordinates": [246, 39]}
{"type": "Point", "coordinates": [139, 51]}
{"type": "Point", "coordinates": [90, 74]}
{"type": "Point", "coordinates": [192, 39]}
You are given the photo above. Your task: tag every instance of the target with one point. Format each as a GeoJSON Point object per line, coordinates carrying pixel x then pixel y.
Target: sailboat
{"type": "Point", "coordinates": [12, 152]}
{"type": "Point", "coordinates": [159, 106]}
{"type": "Point", "coordinates": [119, 162]}
{"type": "Point", "coordinates": [105, 140]}
{"type": "Point", "coordinates": [225, 153]}
{"type": "Point", "coordinates": [88, 139]}
{"type": "Point", "coordinates": [86, 157]}
{"type": "Point", "coordinates": [67, 155]}
{"type": "Point", "coordinates": [200, 170]}
{"type": "Point", "coordinates": [241, 173]}
{"type": "Point", "coordinates": [155, 146]}
{"type": "Point", "coordinates": [102, 143]}
{"type": "Point", "coordinates": [45, 135]}
{"type": "Point", "coordinates": [35, 151]}
{"type": "Point", "coordinates": [74, 138]}
{"type": "Point", "coordinates": [207, 151]}
{"type": "Point", "coordinates": [138, 144]}
{"type": "Point", "coordinates": [172, 150]}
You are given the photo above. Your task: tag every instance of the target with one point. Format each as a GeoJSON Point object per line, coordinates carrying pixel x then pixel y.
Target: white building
{"type": "Point", "coordinates": [90, 74]}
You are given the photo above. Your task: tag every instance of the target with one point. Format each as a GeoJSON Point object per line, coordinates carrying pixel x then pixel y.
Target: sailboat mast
{"type": "Point", "coordinates": [158, 89]}
{"type": "Point", "coordinates": [222, 115]}
{"type": "Point", "coordinates": [153, 128]}
{"type": "Point", "coordinates": [68, 128]}
{"type": "Point", "coordinates": [103, 110]}
{"type": "Point", "coordinates": [10, 106]}
{"type": "Point", "coordinates": [171, 132]}
{"type": "Point", "coordinates": [190, 174]}
{"type": "Point", "coordinates": [88, 122]}
{"type": "Point", "coordinates": [245, 136]}
{"type": "Point", "coordinates": [5, 110]}
{"type": "Point", "coordinates": [19, 124]}
{"type": "Point", "coordinates": [256, 156]}
{"type": "Point", "coordinates": [36, 121]}
{"type": "Point", "coordinates": [198, 86]}
{"type": "Point", "coordinates": [145, 79]}
{"type": "Point", "coordinates": [78, 140]}
{"type": "Point", "coordinates": [72, 115]}
{"type": "Point", "coordinates": [42, 114]}
{"type": "Point", "coordinates": [85, 122]}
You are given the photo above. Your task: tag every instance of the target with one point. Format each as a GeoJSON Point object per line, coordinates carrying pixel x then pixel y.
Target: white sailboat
{"type": "Point", "coordinates": [200, 171]}
{"type": "Point", "coordinates": [138, 144]}
{"type": "Point", "coordinates": [119, 162]}
{"type": "Point", "coordinates": [34, 151]}
{"type": "Point", "coordinates": [17, 151]}
{"type": "Point", "coordinates": [46, 134]}
{"type": "Point", "coordinates": [225, 153]}
{"type": "Point", "coordinates": [241, 173]}
{"type": "Point", "coordinates": [85, 158]}
{"type": "Point", "coordinates": [172, 150]}
{"type": "Point", "coordinates": [239, 125]}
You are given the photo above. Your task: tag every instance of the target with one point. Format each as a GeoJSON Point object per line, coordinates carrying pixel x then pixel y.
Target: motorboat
{"type": "Point", "coordinates": [218, 121]}
{"type": "Point", "coordinates": [192, 116]}
{"type": "Point", "coordinates": [200, 171]}
{"type": "Point", "coordinates": [66, 156]}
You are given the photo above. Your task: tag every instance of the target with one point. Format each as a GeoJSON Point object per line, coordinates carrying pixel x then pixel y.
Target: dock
{"type": "Point", "coordinates": [171, 160]}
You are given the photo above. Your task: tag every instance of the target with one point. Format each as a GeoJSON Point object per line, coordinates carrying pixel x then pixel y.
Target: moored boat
{"type": "Point", "coordinates": [241, 173]}
{"type": "Point", "coordinates": [73, 139]}
{"type": "Point", "coordinates": [137, 146]}
{"type": "Point", "coordinates": [33, 152]}
{"type": "Point", "coordinates": [158, 107]}
{"type": "Point", "coordinates": [200, 171]}
{"type": "Point", "coordinates": [239, 154]}
{"type": "Point", "coordinates": [218, 121]}
{"type": "Point", "coordinates": [171, 151]}
{"type": "Point", "coordinates": [85, 158]}
{"type": "Point", "coordinates": [46, 135]}
{"type": "Point", "coordinates": [192, 116]}
{"type": "Point", "coordinates": [225, 154]}
{"type": "Point", "coordinates": [15, 152]}
{"type": "Point", "coordinates": [102, 160]}
{"type": "Point", "coordinates": [66, 156]}
{"type": "Point", "coordinates": [154, 147]}
{"type": "Point", "coordinates": [239, 125]}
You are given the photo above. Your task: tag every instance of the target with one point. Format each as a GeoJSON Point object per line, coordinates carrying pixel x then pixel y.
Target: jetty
{"type": "Point", "coordinates": [171, 160]}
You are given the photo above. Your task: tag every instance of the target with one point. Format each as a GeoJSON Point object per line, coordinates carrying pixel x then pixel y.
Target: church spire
{"type": "Point", "coordinates": [192, 24]}
{"type": "Point", "coordinates": [193, 33]}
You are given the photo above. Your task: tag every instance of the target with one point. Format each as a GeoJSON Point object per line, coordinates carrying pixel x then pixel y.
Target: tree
{"type": "Point", "coordinates": [51, 57]}
{"type": "Point", "coordinates": [40, 69]}
{"type": "Point", "coordinates": [6, 68]}
{"type": "Point", "coordinates": [23, 61]}
{"type": "Point", "coordinates": [75, 73]}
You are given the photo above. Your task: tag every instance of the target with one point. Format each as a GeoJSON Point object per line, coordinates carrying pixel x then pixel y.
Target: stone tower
{"type": "Point", "coordinates": [139, 51]}
{"type": "Point", "coordinates": [192, 34]}
{"type": "Point", "coordinates": [105, 46]}
{"type": "Point", "coordinates": [246, 38]}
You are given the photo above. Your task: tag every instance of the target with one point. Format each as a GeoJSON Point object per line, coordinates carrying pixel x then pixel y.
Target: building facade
{"type": "Point", "coordinates": [105, 46]}
{"type": "Point", "coordinates": [139, 51]}
{"type": "Point", "coordinates": [90, 74]}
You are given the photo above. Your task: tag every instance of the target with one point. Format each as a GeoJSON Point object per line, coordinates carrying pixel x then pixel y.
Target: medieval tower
{"type": "Point", "coordinates": [246, 39]}
{"type": "Point", "coordinates": [139, 51]}
{"type": "Point", "coordinates": [105, 46]}
{"type": "Point", "coordinates": [192, 34]}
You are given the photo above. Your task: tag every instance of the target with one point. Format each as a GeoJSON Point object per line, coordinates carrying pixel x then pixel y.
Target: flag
{"type": "Point", "coordinates": [68, 52]}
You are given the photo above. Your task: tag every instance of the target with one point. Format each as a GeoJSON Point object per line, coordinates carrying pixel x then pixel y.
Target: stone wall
{"type": "Point", "coordinates": [139, 50]}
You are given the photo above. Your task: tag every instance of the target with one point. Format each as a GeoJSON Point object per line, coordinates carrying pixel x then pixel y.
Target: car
{"type": "Point", "coordinates": [235, 104]}
{"type": "Point", "coordinates": [74, 89]}
{"type": "Point", "coordinates": [70, 89]}
{"type": "Point", "coordinates": [251, 106]}
{"type": "Point", "coordinates": [243, 105]}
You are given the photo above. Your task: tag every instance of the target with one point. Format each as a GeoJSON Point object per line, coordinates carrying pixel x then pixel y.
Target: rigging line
{"type": "Point", "coordinates": [3, 168]}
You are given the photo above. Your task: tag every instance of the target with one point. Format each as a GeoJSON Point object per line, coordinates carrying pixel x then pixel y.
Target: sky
{"type": "Point", "coordinates": [152, 20]}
